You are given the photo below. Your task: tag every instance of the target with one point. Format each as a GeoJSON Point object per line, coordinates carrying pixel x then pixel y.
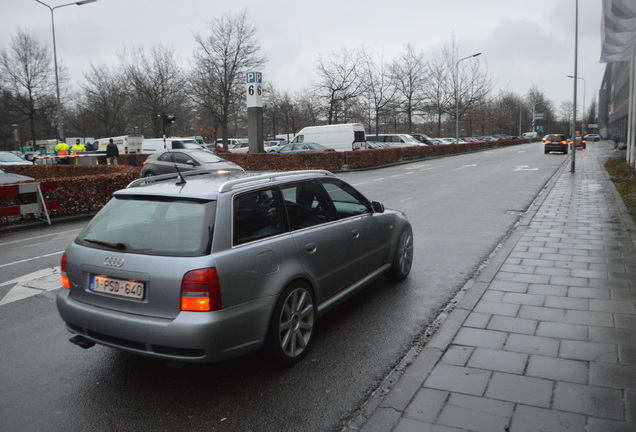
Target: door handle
{"type": "Point", "coordinates": [311, 247]}
{"type": "Point", "coordinates": [355, 233]}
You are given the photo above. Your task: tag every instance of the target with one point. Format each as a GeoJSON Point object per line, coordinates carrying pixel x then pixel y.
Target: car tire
{"type": "Point", "coordinates": [149, 174]}
{"type": "Point", "coordinates": [545, 151]}
{"type": "Point", "coordinates": [292, 324]}
{"type": "Point", "coordinates": [403, 256]}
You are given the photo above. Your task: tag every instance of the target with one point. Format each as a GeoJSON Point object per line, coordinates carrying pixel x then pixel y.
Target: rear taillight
{"type": "Point", "coordinates": [200, 291]}
{"type": "Point", "coordinates": [548, 142]}
{"type": "Point", "coordinates": [563, 142]}
{"type": "Point", "coordinates": [65, 282]}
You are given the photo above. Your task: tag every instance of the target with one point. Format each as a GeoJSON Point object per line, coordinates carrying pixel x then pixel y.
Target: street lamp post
{"type": "Point", "coordinates": [576, 65]}
{"type": "Point", "coordinates": [572, 76]}
{"type": "Point", "coordinates": [457, 95]}
{"type": "Point", "coordinates": [60, 127]}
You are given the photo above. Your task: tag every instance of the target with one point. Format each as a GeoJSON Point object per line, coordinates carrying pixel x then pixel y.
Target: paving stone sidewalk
{"type": "Point", "coordinates": [545, 338]}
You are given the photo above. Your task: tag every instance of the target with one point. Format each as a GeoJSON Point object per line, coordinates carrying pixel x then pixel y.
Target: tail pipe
{"type": "Point", "coordinates": [81, 341]}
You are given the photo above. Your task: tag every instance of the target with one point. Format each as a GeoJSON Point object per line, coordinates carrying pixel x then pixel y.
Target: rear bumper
{"type": "Point", "coordinates": [556, 148]}
{"type": "Point", "coordinates": [191, 336]}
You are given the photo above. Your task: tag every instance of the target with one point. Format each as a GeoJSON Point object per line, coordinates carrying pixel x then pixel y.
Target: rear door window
{"type": "Point", "coordinates": [257, 215]}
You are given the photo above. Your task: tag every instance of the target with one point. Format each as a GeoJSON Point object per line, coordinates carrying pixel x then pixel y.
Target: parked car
{"type": "Point", "coordinates": [424, 139]}
{"type": "Point", "coordinates": [274, 146]}
{"type": "Point", "coordinates": [395, 140]}
{"type": "Point", "coordinates": [307, 147]}
{"type": "Point", "coordinates": [592, 137]}
{"type": "Point", "coordinates": [373, 145]}
{"type": "Point", "coordinates": [555, 143]}
{"type": "Point", "coordinates": [219, 266]}
{"type": "Point", "coordinates": [185, 160]}
{"type": "Point", "coordinates": [241, 147]}
{"type": "Point", "coordinates": [8, 158]}
{"type": "Point", "coordinates": [6, 177]}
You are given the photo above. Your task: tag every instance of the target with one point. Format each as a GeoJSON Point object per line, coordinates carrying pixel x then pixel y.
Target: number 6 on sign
{"type": "Point", "coordinates": [254, 89]}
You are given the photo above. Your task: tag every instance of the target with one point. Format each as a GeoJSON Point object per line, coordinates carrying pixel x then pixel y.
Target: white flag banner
{"type": "Point", "coordinates": [618, 30]}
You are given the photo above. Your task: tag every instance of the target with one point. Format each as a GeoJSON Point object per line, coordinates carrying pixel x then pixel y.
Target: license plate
{"type": "Point", "coordinates": [117, 287]}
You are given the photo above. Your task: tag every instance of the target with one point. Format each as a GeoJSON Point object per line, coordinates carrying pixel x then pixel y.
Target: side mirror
{"type": "Point", "coordinates": [190, 162]}
{"type": "Point", "coordinates": [377, 207]}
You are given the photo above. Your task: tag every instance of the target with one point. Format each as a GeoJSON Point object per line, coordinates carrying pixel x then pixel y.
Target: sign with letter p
{"type": "Point", "coordinates": [254, 89]}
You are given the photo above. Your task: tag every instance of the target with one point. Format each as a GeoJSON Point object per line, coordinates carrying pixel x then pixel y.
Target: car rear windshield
{"type": "Point", "coordinates": [152, 226]}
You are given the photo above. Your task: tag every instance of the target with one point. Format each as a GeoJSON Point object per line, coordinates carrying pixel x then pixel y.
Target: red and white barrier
{"type": "Point", "coordinates": [40, 206]}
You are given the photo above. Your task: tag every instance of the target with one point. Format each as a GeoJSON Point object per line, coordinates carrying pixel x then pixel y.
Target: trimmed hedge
{"type": "Point", "coordinates": [87, 188]}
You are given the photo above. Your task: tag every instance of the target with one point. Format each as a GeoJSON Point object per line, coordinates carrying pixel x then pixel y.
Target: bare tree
{"type": "Point", "coordinates": [156, 85]}
{"type": "Point", "coordinates": [26, 69]}
{"type": "Point", "coordinates": [437, 98]}
{"type": "Point", "coordinates": [340, 82]}
{"type": "Point", "coordinates": [105, 100]}
{"type": "Point", "coordinates": [379, 88]}
{"type": "Point", "coordinates": [410, 74]}
{"type": "Point", "coordinates": [470, 83]}
{"type": "Point", "coordinates": [222, 57]}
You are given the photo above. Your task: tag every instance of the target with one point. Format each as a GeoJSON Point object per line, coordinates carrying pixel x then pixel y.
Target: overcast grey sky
{"type": "Point", "coordinates": [524, 43]}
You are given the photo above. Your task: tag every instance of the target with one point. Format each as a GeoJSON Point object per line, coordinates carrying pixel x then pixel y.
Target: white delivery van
{"type": "Point", "coordinates": [340, 137]}
{"type": "Point", "coordinates": [127, 144]}
{"type": "Point", "coordinates": [529, 135]}
{"type": "Point", "coordinates": [152, 145]}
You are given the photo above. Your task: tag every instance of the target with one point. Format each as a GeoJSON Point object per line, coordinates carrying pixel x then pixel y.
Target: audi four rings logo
{"type": "Point", "coordinates": [114, 262]}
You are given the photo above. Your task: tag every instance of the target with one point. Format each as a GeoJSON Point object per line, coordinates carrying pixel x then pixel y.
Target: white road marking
{"type": "Point", "coordinates": [31, 259]}
{"type": "Point", "coordinates": [32, 284]}
{"type": "Point", "coordinates": [526, 168]}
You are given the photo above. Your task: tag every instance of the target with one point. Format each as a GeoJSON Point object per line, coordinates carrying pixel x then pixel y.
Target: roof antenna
{"type": "Point", "coordinates": [182, 180]}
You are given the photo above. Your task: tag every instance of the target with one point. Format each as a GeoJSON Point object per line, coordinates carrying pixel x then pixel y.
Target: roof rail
{"type": "Point", "coordinates": [229, 185]}
{"type": "Point", "coordinates": [165, 177]}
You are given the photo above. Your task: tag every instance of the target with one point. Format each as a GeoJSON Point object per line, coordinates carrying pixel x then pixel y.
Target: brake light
{"type": "Point", "coordinates": [548, 142]}
{"type": "Point", "coordinates": [63, 267]}
{"type": "Point", "coordinates": [201, 291]}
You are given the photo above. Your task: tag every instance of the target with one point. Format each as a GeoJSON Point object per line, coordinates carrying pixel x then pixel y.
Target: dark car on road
{"type": "Point", "coordinates": [555, 143]}
{"type": "Point", "coordinates": [208, 267]}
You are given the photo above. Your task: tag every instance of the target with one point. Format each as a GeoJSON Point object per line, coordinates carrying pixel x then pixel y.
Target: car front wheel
{"type": "Point", "coordinates": [292, 324]}
{"type": "Point", "coordinates": [403, 257]}
{"type": "Point", "coordinates": [149, 174]}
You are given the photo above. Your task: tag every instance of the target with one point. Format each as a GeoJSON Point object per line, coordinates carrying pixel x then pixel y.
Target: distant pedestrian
{"type": "Point", "coordinates": [112, 153]}
{"type": "Point", "coordinates": [617, 140]}
{"type": "Point", "coordinates": [61, 149]}
{"type": "Point", "coordinates": [77, 147]}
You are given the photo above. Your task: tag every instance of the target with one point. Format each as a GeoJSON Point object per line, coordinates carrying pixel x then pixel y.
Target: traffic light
{"type": "Point", "coordinates": [168, 119]}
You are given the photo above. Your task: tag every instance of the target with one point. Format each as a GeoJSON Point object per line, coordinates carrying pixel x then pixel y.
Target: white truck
{"type": "Point", "coordinates": [127, 144]}
{"type": "Point", "coordinates": [152, 145]}
{"type": "Point", "coordinates": [340, 137]}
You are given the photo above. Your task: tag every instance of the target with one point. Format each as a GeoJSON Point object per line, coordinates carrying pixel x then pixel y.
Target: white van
{"type": "Point", "coordinates": [152, 145]}
{"type": "Point", "coordinates": [529, 135]}
{"type": "Point", "coordinates": [127, 144]}
{"type": "Point", "coordinates": [340, 137]}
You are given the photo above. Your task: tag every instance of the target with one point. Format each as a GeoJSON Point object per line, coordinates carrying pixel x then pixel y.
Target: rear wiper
{"type": "Point", "coordinates": [118, 246]}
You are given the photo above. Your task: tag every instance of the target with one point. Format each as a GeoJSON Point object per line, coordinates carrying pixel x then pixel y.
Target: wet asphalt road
{"type": "Point", "coordinates": [460, 207]}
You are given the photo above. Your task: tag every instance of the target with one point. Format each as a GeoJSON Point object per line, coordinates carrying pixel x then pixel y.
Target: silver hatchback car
{"type": "Point", "coordinates": [206, 267]}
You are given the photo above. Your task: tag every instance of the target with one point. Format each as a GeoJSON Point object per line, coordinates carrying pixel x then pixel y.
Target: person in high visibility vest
{"type": "Point", "coordinates": [61, 149]}
{"type": "Point", "coordinates": [78, 147]}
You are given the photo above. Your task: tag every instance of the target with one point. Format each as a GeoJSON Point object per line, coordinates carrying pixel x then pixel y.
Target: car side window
{"type": "Point", "coordinates": [306, 204]}
{"type": "Point", "coordinates": [257, 215]}
{"type": "Point", "coordinates": [347, 201]}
